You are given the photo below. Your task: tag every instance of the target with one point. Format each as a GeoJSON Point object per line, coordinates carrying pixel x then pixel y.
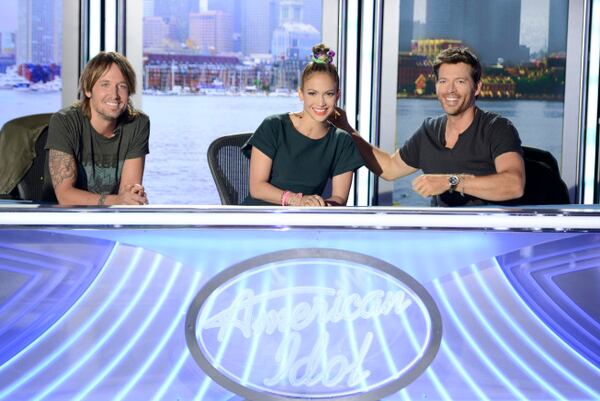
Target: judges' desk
{"type": "Point", "coordinates": [226, 303]}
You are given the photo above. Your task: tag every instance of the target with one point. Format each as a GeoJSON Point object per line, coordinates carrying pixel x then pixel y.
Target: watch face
{"type": "Point", "coordinates": [453, 180]}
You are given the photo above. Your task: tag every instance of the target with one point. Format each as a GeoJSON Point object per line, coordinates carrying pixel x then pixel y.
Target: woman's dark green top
{"type": "Point", "coordinates": [302, 164]}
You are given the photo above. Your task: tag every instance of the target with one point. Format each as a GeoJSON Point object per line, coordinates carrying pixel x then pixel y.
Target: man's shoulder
{"type": "Point", "coordinates": [72, 112]}
{"type": "Point", "coordinates": [139, 118]}
{"type": "Point", "coordinates": [432, 126]}
{"type": "Point", "coordinates": [490, 119]}
{"type": "Point", "coordinates": [69, 120]}
{"type": "Point", "coordinates": [434, 122]}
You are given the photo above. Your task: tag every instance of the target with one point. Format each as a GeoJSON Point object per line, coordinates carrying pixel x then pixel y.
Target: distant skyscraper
{"type": "Point", "coordinates": [176, 13]}
{"type": "Point", "coordinates": [294, 40]}
{"type": "Point", "coordinates": [290, 11]}
{"type": "Point", "coordinates": [557, 26]}
{"type": "Point", "coordinates": [39, 32]}
{"type": "Point", "coordinates": [211, 31]}
{"type": "Point", "coordinates": [491, 28]}
{"type": "Point", "coordinates": [407, 10]}
{"type": "Point", "coordinates": [233, 8]}
{"type": "Point", "coordinates": [258, 22]}
{"type": "Point", "coordinates": [156, 32]}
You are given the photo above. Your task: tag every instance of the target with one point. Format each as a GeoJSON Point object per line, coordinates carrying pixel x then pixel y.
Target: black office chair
{"type": "Point", "coordinates": [24, 159]}
{"type": "Point", "coordinates": [543, 185]}
{"type": "Point", "coordinates": [230, 168]}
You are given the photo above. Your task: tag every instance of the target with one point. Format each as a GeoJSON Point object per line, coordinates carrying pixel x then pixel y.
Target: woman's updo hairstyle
{"type": "Point", "coordinates": [321, 61]}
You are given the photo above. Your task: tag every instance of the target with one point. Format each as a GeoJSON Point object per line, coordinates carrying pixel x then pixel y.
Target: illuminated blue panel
{"type": "Point", "coordinates": [560, 281]}
{"type": "Point", "coordinates": [39, 283]}
{"type": "Point", "coordinates": [519, 310]}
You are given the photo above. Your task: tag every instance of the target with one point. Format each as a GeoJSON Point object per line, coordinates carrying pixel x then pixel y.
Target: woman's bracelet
{"type": "Point", "coordinates": [284, 198]}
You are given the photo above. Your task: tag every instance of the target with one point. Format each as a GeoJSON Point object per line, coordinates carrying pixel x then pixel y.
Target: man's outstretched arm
{"type": "Point", "coordinates": [388, 166]}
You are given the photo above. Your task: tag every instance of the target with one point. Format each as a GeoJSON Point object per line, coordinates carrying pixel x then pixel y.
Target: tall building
{"type": "Point", "coordinates": [294, 40]}
{"type": "Point", "coordinates": [211, 31]}
{"type": "Point", "coordinates": [290, 11]}
{"type": "Point", "coordinates": [490, 28]}
{"type": "Point", "coordinates": [176, 14]}
{"type": "Point", "coordinates": [557, 26]}
{"type": "Point", "coordinates": [259, 20]}
{"type": "Point", "coordinates": [407, 11]}
{"type": "Point", "coordinates": [39, 32]}
{"type": "Point", "coordinates": [156, 32]}
{"type": "Point", "coordinates": [233, 8]}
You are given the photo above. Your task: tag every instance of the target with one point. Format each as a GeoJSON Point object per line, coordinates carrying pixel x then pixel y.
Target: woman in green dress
{"type": "Point", "coordinates": [294, 155]}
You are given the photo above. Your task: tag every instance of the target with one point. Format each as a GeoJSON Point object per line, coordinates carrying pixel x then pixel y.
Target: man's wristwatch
{"type": "Point", "coordinates": [453, 180]}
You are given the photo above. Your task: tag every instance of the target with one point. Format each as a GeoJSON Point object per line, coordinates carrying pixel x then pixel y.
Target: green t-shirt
{"type": "Point", "coordinates": [302, 164]}
{"type": "Point", "coordinates": [99, 159]}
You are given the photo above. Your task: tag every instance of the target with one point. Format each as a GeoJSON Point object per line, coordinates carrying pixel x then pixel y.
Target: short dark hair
{"type": "Point", "coordinates": [455, 55]}
{"type": "Point", "coordinates": [322, 61]}
{"type": "Point", "coordinates": [94, 70]}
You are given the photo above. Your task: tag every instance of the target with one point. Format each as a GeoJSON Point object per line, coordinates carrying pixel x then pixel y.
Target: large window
{"type": "Point", "coordinates": [522, 45]}
{"type": "Point", "coordinates": [212, 68]}
{"type": "Point", "coordinates": [30, 57]}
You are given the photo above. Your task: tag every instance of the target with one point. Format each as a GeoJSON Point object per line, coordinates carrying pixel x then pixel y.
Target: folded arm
{"type": "Point", "coordinates": [507, 183]}
{"type": "Point", "coordinates": [63, 171]}
{"type": "Point", "coordinates": [261, 188]}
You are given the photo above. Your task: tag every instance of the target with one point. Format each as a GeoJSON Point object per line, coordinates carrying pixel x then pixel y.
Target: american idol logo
{"type": "Point", "coordinates": [313, 324]}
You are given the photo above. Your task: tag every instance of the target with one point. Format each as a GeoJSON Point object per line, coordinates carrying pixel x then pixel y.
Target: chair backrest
{"type": "Point", "coordinates": [543, 185]}
{"type": "Point", "coordinates": [35, 183]}
{"type": "Point", "coordinates": [230, 168]}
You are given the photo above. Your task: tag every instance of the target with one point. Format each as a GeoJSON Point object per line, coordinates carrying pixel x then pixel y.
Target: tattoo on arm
{"type": "Point", "coordinates": [62, 167]}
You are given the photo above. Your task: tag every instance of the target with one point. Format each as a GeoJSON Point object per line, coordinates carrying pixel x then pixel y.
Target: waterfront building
{"type": "Point", "coordinates": [211, 31]}
{"type": "Point", "coordinates": [430, 48]}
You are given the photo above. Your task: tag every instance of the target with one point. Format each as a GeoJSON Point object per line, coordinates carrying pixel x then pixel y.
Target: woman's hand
{"type": "Point", "coordinates": [308, 200]}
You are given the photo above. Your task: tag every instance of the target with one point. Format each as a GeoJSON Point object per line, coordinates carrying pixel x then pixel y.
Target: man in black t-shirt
{"type": "Point", "coordinates": [97, 147]}
{"type": "Point", "coordinates": [468, 156]}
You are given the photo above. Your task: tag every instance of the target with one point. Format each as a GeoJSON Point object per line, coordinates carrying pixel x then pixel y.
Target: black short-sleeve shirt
{"type": "Point", "coordinates": [302, 164]}
{"type": "Point", "coordinates": [488, 136]}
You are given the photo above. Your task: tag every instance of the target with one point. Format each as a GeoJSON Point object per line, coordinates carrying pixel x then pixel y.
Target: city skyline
{"type": "Point", "coordinates": [533, 32]}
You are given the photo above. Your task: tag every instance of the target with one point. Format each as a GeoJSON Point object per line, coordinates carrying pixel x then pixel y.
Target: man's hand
{"type": "Point", "coordinates": [340, 120]}
{"type": "Point", "coordinates": [430, 184]}
{"type": "Point", "coordinates": [132, 194]}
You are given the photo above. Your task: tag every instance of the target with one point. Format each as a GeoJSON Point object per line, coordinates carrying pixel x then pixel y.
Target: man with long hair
{"type": "Point", "coordinates": [97, 147]}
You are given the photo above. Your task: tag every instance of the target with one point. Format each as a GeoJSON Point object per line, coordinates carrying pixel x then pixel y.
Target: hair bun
{"type": "Point", "coordinates": [322, 54]}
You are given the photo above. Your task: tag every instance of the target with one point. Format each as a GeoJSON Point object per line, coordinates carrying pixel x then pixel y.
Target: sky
{"type": "Point", "coordinates": [8, 16]}
{"type": "Point", "coordinates": [534, 20]}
